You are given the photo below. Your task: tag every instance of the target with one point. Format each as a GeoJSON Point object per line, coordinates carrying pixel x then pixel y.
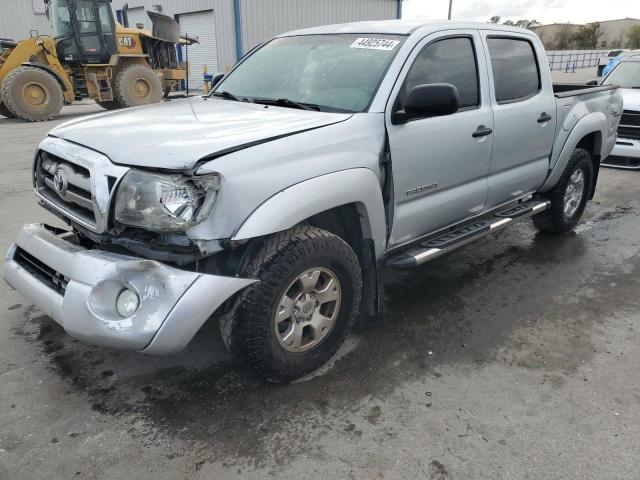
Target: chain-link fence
{"type": "Point", "coordinates": [572, 60]}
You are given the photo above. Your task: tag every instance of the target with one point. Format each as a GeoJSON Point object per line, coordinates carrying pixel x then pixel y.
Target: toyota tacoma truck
{"type": "Point", "coordinates": [270, 204]}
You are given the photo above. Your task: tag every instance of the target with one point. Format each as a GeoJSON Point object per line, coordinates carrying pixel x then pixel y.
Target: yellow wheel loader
{"type": "Point", "coordinates": [89, 55]}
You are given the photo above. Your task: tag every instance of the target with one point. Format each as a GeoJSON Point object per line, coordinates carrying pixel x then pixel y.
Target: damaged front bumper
{"type": "Point", "coordinates": [78, 289]}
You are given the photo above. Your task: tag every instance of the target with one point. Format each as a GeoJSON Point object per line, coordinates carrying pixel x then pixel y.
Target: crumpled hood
{"type": "Point", "coordinates": [631, 98]}
{"type": "Point", "coordinates": [176, 134]}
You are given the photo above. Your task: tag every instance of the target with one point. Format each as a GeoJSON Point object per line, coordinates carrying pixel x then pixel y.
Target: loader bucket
{"type": "Point", "coordinates": [164, 27]}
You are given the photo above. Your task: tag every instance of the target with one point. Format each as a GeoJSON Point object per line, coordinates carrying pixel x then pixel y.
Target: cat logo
{"type": "Point", "coordinates": [127, 42]}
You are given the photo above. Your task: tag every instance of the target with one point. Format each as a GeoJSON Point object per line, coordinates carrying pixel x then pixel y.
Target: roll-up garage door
{"type": "Point", "coordinates": [138, 15]}
{"type": "Point", "coordinates": [203, 26]}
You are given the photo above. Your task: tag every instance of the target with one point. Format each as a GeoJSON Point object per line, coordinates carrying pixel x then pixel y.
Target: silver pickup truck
{"type": "Point", "coordinates": [270, 204]}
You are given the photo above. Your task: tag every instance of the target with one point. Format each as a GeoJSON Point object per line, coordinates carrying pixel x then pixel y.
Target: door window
{"type": "Point", "coordinates": [516, 75]}
{"type": "Point", "coordinates": [86, 16]}
{"type": "Point", "coordinates": [104, 11]}
{"type": "Point", "coordinates": [451, 60]}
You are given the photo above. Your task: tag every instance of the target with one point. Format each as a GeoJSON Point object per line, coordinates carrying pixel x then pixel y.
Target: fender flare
{"type": "Point", "coordinates": [50, 70]}
{"type": "Point", "coordinates": [595, 122]}
{"type": "Point", "coordinates": [316, 195]}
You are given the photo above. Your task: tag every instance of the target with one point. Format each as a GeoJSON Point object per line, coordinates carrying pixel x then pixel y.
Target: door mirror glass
{"type": "Point", "coordinates": [216, 79]}
{"type": "Point", "coordinates": [432, 100]}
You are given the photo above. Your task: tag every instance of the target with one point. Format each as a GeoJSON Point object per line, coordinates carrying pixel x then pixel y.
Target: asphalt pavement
{"type": "Point", "coordinates": [513, 358]}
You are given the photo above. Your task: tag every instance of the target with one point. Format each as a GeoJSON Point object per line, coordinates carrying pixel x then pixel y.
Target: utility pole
{"type": "Point", "coordinates": [450, 5]}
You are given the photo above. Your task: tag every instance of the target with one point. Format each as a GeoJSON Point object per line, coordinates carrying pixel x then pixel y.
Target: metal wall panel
{"type": "Point", "coordinates": [262, 19]}
{"type": "Point", "coordinates": [17, 18]}
{"type": "Point", "coordinates": [223, 13]}
{"type": "Point", "coordinates": [202, 25]}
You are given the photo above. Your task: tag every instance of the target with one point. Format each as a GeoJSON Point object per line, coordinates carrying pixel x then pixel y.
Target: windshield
{"type": "Point", "coordinates": [626, 74]}
{"type": "Point", "coordinates": [60, 19]}
{"type": "Point", "coordinates": [332, 72]}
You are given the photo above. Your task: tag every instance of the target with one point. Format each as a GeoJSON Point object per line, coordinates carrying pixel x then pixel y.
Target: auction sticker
{"type": "Point", "coordinates": [375, 43]}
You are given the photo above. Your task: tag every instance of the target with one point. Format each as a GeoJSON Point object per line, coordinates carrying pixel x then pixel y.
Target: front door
{"type": "Point", "coordinates": [95, 31]}
{"type": "Point", "coordinates": [440, 164]}
{"type": "Point", "coordinates": [524, 111]}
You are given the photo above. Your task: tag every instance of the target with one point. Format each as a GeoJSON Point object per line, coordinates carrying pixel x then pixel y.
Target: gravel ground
{"type": "Point", "coordinates": [513, 358]}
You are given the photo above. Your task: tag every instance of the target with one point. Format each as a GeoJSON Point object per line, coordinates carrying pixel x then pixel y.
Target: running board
{"type": "Point", "coordinates": [436, 247]}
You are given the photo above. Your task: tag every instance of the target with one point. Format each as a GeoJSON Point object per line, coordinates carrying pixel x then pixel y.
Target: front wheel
{"type": "Point", "coordinates": [294, 319]}
{"type": "Point", "coordinates": [569, 197]}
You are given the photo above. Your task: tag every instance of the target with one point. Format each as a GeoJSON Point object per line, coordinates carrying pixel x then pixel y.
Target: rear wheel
{"type": "Point", "coordinates": [32, 94]}
{"type": "Point", "coordinates": [137, 85]}
{"type": "Point", "coordinates": [294, 319]}
{"type": "Point", "coordinates": [4, 111]}
{"type": "Point", "coordinates": [569, 197]}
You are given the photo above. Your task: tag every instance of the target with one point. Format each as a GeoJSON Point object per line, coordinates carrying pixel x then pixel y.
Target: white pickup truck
{"type": "Point", "coordinates": [270, 204]}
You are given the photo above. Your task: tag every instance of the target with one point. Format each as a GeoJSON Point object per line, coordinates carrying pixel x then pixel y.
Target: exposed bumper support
{"type": "Point", "coordinates": [78, 288]}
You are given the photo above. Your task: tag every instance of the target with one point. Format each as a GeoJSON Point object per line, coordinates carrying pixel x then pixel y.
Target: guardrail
{"type": "Point", "coordinates": [571, 60]}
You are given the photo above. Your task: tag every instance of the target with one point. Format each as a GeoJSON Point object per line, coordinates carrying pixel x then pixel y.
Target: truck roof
{"type": "Point", "coordinates": [401, 27]}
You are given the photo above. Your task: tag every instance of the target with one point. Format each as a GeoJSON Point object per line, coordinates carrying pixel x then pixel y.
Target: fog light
{"type": "Point", "coordinates": [127, 303]}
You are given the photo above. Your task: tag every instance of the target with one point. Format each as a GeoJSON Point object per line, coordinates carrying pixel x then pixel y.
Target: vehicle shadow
{"type": "Point", "coordinates": [480, 305]}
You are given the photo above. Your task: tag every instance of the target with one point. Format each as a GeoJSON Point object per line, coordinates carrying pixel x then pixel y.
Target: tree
{"type": "Point", "coordinates": [587, 36]}
{"type": "Point", "coordinates": [495, 19]}
{"type": "Point", "coordinates": [563, 40]}
{"type": "Point", "coordinates": [524, 23]}
{"type": "Point", "coordinates": [633, 37]}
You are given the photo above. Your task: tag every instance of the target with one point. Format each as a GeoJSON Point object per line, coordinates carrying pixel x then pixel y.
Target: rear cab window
{"type": "Point", "coordinates": [516, 74]}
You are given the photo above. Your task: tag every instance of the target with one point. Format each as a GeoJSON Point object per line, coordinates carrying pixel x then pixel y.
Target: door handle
{"type": "Point", "coordinates": [544, 117]}
{"type": "Point", "coordinates": [482, 131]}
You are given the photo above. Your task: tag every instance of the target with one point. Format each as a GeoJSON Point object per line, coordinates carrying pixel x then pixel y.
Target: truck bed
{"type": "Point", "coordinates": [562, 90]}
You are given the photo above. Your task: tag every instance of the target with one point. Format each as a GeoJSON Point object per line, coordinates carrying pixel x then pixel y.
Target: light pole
{"type": "Point", "coordinates": [450, 5]}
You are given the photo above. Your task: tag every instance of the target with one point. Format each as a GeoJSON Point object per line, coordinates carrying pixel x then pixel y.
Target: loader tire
{"type": "Point", "coordinates": [112, 105]}
{"type": "Point", "coordinates": [294, 319]}
{"type": "Point", "coordinates": [32, 94]}
{"type": "Point", "coordinates": [4, 111]}
{"type": "Point", "coordinates": [137, 85]}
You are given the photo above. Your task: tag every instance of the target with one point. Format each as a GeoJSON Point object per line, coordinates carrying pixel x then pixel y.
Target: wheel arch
{"type": "Point", "coordinates": [350, 207]}
{"type": "Point", "coordinates": [49, 70]}
{"type": "Point", "coordinates": [586, 134]}
{"type": "Point", "coordinates": [355, 191]}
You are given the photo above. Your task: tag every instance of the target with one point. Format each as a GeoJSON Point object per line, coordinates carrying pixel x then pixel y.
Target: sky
{"type": "Point", "coordinates": [545, 11]}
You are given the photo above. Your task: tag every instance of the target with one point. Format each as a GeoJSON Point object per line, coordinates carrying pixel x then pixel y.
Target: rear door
{"type": "Point", "coordinates": [440, 163]}
{"type": "Point", "coordinates": [523, 113]}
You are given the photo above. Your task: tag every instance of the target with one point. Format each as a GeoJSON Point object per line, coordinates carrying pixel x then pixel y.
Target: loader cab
{"type": "Point", "coordinates": [84, 30]}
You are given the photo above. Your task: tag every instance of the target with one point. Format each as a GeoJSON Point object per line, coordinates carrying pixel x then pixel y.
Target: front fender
{"type": "Point", "coordinates": [311, 197]}
{"type": "Point", "coordinates": [592, 123]}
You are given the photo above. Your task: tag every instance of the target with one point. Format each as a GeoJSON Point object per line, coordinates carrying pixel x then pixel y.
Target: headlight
{"type": "Point", "coordinates": [165, 203]}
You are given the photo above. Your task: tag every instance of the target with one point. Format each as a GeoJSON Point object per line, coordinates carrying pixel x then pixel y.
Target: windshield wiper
{"type": "Point", "coordinates": [285, 102]}
{"type": "Point", "coordinates": [228, 95]}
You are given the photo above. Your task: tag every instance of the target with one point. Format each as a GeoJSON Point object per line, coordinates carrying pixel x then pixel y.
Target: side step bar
{"type": "Point", "coordinates": [436, 247]}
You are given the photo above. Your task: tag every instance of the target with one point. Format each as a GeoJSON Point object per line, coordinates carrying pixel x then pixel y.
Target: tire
{"type": "Point", "coordinates": [113, 105]}
{"type": "Point", "coordinates": [32, 94]}
{"type": "Point", "coordinates": [560, 217]}
{"type": "Point", "coordinates": [4, 111]}
{"type": "Point", "coordinates": [137, 85]}
{"type": "Point", "coordinates": [251, 331]}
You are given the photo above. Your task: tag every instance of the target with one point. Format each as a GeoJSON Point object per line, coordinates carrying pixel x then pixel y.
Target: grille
{"type": "Point", "coordinates": [629, 125]}
{"type": "Point", "coordinates": [66, 185]}
{"type": "Point", "coordinates": [43, 272]}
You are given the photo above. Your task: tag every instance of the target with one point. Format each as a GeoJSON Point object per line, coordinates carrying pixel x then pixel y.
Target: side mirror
{"type": "Point", "coordinates": [592, 83]}
{"type": "Point", "coordinates": [216, 79]}
{"type": "Point", "coordinates": [431, 100]}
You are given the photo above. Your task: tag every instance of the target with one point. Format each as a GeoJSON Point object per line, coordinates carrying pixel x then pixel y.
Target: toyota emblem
{"type": "Point", "coordinates": [60, 182]}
